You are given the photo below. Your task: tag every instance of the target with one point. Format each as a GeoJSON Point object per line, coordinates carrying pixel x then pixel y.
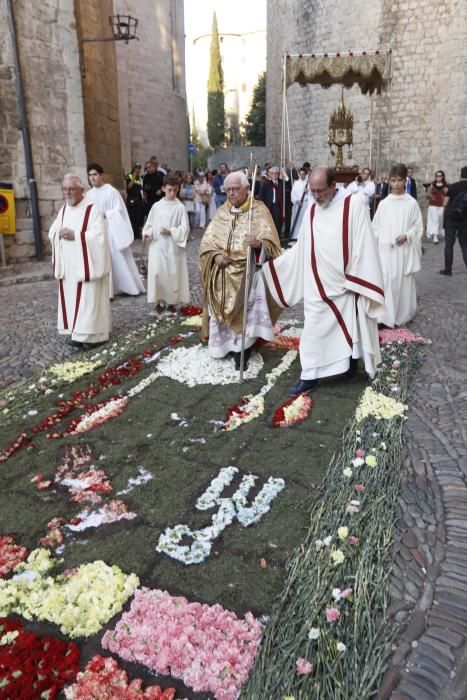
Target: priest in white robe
{"type": "Point", "coordinates": [398, 227]}
{"type": "Point", "coordinates": [124, 278]}
{"type": "Point", "coordinates": [81, 263]}
{"type": "Point", "coordinates": [335, 269]}
{"type": "Point", "coordinates": [167, 228]}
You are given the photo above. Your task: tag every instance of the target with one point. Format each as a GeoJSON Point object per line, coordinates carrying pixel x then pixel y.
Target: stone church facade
{"type": "Point", "coordinates": [428, 128]}
{"type": "Point", "coordinates": [102, 101]}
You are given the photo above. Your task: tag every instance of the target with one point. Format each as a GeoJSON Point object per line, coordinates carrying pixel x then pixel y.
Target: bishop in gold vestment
{"type": "Point", "coordinates": [223, 257]}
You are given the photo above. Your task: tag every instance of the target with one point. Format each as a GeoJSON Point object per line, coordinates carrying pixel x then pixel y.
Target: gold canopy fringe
{"type": "Point", "coordinates": [371, 72]}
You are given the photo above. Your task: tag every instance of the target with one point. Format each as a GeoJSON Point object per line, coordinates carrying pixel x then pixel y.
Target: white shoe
{"type": "Point", "coordinates": [435, 239]}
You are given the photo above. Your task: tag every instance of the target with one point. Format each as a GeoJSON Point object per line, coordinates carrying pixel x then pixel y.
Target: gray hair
{"type": "Point", "coordinates": [75, 178]}
{"type": "Point", "coordinates": [240, 175]}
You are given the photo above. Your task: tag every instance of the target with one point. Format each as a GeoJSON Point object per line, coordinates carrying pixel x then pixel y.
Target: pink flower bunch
{"type": "Point", "coordinates": [351, 539]}
{"type": "Point", "coordinates": [208, 647]}
{"type": "Point", "coordinates": [303, 666]}
{"type": "Point", "coordinates": [332, 614]}
{"type": "Point", "coordinates": [401, 335]}
{"type": "Point", "coordinates": [359, 488]}
{"type": "Point", "coordinates": [104, 679]}
{"type": "Point", "coordinates": [11, 554]}
{"type": "Point", "coordinates": [360, 453]}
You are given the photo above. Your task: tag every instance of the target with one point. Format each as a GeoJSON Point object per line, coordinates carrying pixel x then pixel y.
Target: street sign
{"type": "Point", "coordinates": [191, 148]}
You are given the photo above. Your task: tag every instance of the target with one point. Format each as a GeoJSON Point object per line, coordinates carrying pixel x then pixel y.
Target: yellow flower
{"type": "Point", "coordinates": [337, 555]}
{"type": "Point", "coordinates": [371, 461]}
{"type": "Point", "coordinates": [379, 406]}
{"type": "Point", "coordinates": [69, 371]}
{"type": "Point", "coordinates": [343, 533]}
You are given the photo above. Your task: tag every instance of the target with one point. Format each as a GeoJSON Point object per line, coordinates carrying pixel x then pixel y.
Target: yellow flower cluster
{"type": "Point", "coordinates": [379, 406]}
{"type": "Point", "coordinates": [69, 371]}
{"type": "Point", "coordinates": [80, 604]}
{"type": "Point", "coordinates": [192, 321]}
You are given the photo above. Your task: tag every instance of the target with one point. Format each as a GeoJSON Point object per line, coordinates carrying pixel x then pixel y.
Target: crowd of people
{"type": "Point", "coordinates": [364, 241]}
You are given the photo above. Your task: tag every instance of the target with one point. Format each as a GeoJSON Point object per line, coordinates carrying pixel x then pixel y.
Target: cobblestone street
{"type": "Point", "coordinates": [429, 581]}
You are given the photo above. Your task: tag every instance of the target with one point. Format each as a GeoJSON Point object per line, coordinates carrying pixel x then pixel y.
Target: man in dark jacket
{"type": "Point", "coordinates": [455, 221]}
{"type": "Point", "coordinates": [272, 194]}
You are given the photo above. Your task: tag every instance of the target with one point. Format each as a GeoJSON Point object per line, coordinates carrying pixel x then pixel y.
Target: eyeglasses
{"type": "Point", "coordinates": [233, 189]}
{"type": "Point", "coordinates": [70, 189]}
{"type": "Point", "coordinates": [321, 191]}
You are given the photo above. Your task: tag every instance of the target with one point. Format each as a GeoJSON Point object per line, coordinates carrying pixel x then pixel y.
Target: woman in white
{"type": "Point", "coordinates": [398, 227]}
{"type": "Point", "coordinates": [187, 196]}
{"type": "Point", "coordinates": [124, 277]}
{"type": "Point", "coordinates": [167, 228]}
{"type": "Point", "coordinates": [203, 193]}
{"type": "Point", "coordinates": [435, 194]}
{"type": "Point", "coordinates": [300, 200]}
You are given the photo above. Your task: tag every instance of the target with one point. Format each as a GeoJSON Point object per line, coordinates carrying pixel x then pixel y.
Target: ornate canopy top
{"type": "Point", "coordinates": [371, 70]}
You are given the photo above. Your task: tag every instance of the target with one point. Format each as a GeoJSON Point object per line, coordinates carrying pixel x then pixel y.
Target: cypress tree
{"type": "Point", "coordinates": [255, 120]}
{"type": "Point", "coordinates": [216, 111]}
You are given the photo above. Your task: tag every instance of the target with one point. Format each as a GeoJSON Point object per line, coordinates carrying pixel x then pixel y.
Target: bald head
{"type": "Point", "coordinates": [322, 185]}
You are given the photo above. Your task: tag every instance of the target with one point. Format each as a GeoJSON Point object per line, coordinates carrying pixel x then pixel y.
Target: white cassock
{"type": "Point", "coordinates": [125, 278]}
{"type": "Point", "coordinates": [296, 197]}
{"type": "Point", "coordinates": [82, 267]}
{"type": "Point", "coordinates": [334, 267]}
{"type": "Point", "coordinates": [167, 266]}
{"type": "Point", "coordinates": [397, 215]}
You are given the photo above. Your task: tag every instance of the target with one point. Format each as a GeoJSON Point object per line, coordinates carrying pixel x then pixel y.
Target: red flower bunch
{"type": "Point", "coordinates": [103, 679]}
{"type": "Point", "coordinates": [237, 410]}
{"type": "Point", "coordinates": [32, 666]}
{"type": "Point", "coordinates": [20, 442]}
{"type": "Point", "coordinates": [284, 342]}
{"type": "Point", "coordinates": [190, 310]}
{"type": "Point", "coordinates": [300, 407]}
{"type": "Point", "coordinates": [11, 554]}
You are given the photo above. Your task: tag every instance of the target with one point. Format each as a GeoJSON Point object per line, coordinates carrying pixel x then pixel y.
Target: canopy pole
{"type": "Point", "coordinates": [371, 133]}
{"type": "Point", "coordinates": [390, 106]}
{"type": "Point", "coordinates": [378, 137]}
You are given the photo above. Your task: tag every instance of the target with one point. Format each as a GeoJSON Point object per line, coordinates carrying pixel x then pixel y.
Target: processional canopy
{"type": "Point", "coordinates": [371, 70]}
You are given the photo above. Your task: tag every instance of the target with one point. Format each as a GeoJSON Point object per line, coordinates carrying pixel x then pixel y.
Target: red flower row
{"type": "Point", "coordinates": [190, 310]}
{"type": "Point", "coordinates": [34, 667]}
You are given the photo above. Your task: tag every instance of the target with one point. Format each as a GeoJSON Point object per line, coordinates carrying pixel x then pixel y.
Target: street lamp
{"type": "Point", "coordinates": [123, 29]}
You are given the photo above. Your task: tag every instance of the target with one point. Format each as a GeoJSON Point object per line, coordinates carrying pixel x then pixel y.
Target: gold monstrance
{"type": "Point", "coordinates": [340, 131]}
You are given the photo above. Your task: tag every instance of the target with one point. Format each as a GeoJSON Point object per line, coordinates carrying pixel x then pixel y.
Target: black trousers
{"type": "Point", "coordinates": [451, 230]}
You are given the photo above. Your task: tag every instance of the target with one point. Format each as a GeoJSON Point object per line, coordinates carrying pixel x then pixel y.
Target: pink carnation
{"type": "Point", "coordinates": [360, 453]}
{"type": "Point", "coordinates": [304, 666]}
{"type": "Point", "coordinates": [359, 488]}
{"type": "Point", "coordinates": [332, 614]}
{"type": "Point", "coordinates": [352, 539]}
{"type": "Point", "coordinates": [346, 593]}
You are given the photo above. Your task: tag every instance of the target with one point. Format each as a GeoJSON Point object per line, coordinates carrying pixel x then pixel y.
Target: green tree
{"type": "Point", "coordinates": [254, 127]}
{"type": "Point", "coordinates": [216, 110]}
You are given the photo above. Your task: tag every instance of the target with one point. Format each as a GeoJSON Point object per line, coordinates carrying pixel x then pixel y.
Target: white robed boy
{"type": "Point", "coordinates": [125, 278]}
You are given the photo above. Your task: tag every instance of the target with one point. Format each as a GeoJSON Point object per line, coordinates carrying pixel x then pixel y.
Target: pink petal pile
{"type": "Point", "coordinates": [209, 648]}
{"type": "Point", "coordinates": [403, 335]}
{"type": "Point", "coordinates": [11, 554]}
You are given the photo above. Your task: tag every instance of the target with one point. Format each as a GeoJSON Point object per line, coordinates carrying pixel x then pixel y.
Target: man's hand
{"type": "Point", "coordinates": [221, 260]}
{"type": "Point", "coordinates": [67, 234]}
{"type": "Point", "coordinates": [146, 237]}
{"type": "Point", "coordinates": [251, 240]}
{"type": "Point", "coordinates": [400, 240]}
{"type": "Point", "coordinates": [165, 231]}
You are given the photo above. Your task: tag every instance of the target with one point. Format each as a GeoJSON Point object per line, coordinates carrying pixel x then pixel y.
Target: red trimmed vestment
{"type": "Point", "coordinates": [82, 268]}
{"type": "Point", "coordinates": [334, 267]}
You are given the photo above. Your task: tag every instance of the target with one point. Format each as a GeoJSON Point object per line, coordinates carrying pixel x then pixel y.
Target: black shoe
{"type": "Point", "coordinates": [445, 272]}
{"type": "Point", "coordinates": [351, 374]}
{"type": "Point", "coordinates": [238, 357]}
{"type": "Point", "coordinates": [302, 386]}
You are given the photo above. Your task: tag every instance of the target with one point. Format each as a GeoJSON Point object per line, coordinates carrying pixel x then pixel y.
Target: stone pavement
{"type": "Point", "coordinates": [429, 580]}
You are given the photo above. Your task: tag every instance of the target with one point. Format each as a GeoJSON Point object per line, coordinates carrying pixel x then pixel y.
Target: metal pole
{"type": "Point", "coordinates": [390, 112]}
{"type": "Point", "coordinates": [371, 133]}
{"type": "Point", "coordinates": [25, 131]}
{"type": "Point", "coordinates": [247, 276]}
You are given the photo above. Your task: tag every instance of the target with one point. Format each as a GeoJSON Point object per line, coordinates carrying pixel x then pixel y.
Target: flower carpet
{"type": "Point", "coordinates": [155, 532]}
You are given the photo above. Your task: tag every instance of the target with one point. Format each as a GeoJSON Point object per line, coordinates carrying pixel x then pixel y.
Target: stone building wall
{"type": "Point", "coordinates": [429, 86]}
{"type": "Point", "coordinates": [100, 87]}
{"type": "Point", "coordinates": [129, 105]}
{"type": "Point", "coordinates": [50, 66]}
{"type": "Point", "coordinates": [151, 74]}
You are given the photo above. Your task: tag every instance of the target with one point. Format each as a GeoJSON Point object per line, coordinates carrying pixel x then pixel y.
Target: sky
{"type": "Point", "coordinates": [232, 17]}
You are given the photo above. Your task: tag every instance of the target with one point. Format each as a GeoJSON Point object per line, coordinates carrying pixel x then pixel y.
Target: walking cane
{"type": "Point", "coordinates": [247, 276]}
